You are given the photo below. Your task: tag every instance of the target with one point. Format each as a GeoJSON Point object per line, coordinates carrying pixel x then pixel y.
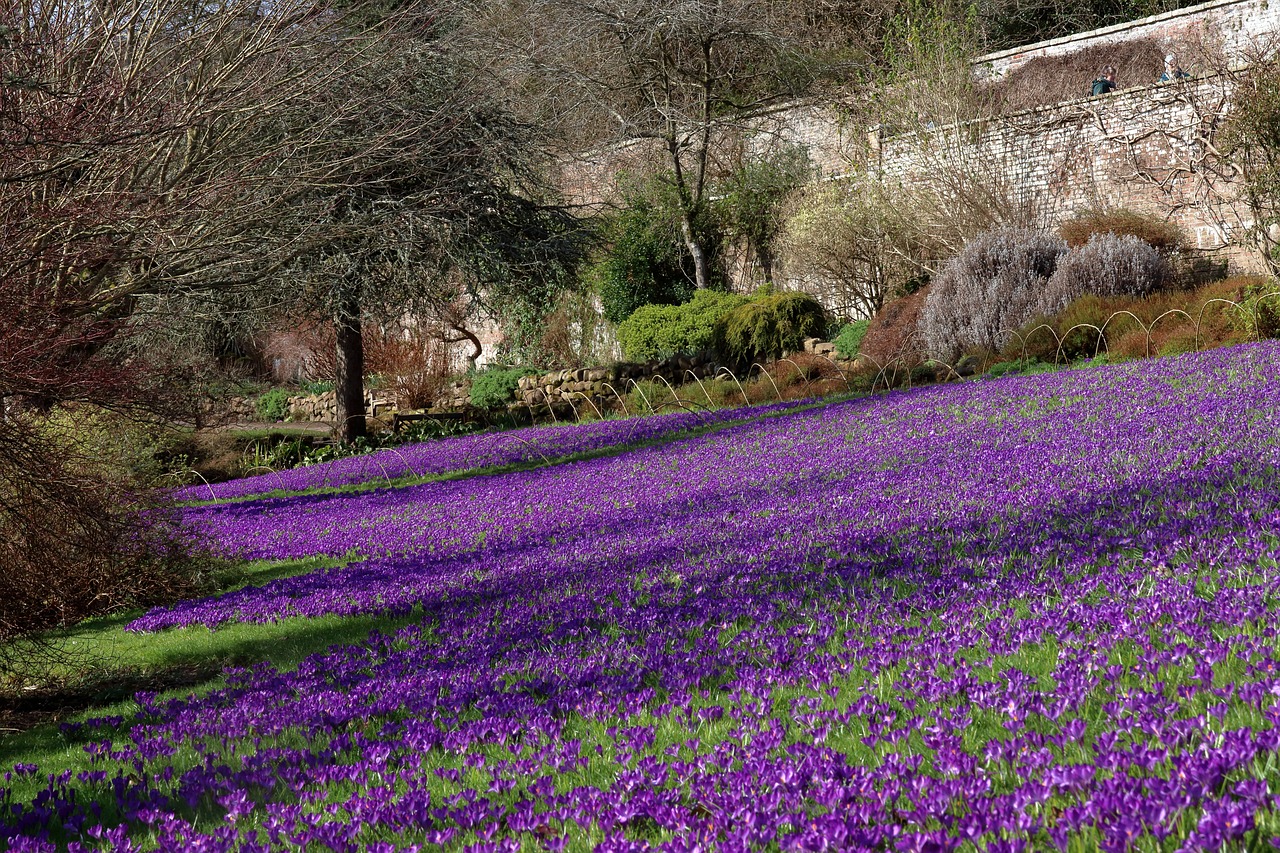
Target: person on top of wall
{"type": "Point", "coordinates": [1106, 81]}
{"type": "Point", "coordinates": [1172, 70]}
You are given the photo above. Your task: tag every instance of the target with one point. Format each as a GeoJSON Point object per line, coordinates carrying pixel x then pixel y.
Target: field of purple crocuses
{"type": "Point", "coordinates": [474, 453]}
{"type": "Point", "coordinates": [1029, 613]}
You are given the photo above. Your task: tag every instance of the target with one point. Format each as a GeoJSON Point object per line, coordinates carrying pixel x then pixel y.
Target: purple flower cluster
{"type": "Point", "coordinates": [473, 452]}
{"type": "Point", "coordinates": [1022, 614]}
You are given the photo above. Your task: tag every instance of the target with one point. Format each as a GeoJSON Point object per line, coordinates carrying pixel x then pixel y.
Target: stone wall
{"type": "Point", "coordinates": [1147, 149]}
{"type": "Point", "coordinates": [562, 389]}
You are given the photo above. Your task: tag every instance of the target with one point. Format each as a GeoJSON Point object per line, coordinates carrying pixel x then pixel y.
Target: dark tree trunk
{"type": "Point", "coordinates": [765, 256]}
{"type": "Point", "coordinates": [467, 335]}
{"type": "Point", "coordinates": [349, 381]}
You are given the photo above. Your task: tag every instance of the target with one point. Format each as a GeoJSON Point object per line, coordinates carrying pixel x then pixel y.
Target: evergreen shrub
{"type": "Point", "coordinates": [496, 387]}
{"type": "Point", "coordinates": [274, 405]}
{"type": "Point", "coordinates": [850, 338]}
{"type": "Point", "coordinates": [768, 326]}
{"type": "Point", "coordinates": [656, 332]}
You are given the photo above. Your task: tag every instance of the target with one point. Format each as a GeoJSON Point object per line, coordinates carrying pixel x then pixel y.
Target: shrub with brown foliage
{"type": "Point", "coordinates": [1178, 321]}
{"type": "Point", "coordinates": [893, 336]}
{"type": "Point", "coordinates": [1159, 233]}
{"type": "Point", "coordinates": [413, 364]}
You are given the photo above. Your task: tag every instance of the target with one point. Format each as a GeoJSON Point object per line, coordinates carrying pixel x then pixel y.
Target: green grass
{"type": "Point", "coordinates": [97, 666]}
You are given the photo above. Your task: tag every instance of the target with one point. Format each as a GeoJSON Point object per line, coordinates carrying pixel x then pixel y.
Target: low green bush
{"type": "Point", "coordinates": [768, 326]}
{"type": "Point", "coordinates": [274, 405]}
{"type": "Point", "coordinates": [656, 332]}
{"type": "Point", "coordinates": [1258, 314]}
{"type": "Point", "coordinates": [496, 387]}
{"type": "Point", "coordinates": [1029, 366]}
{"type": "Point", "coordinates": [849, 341]}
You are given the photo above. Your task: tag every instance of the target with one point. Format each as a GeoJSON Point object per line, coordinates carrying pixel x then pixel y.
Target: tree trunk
{"type": "Point", "coordinates": [470, 337]}
{"type": "Point", "coordinates": [701, 266]}
{"type": "Point", "coordinates": [765, 256]}
{"type": "Point", "coordinates": [349, 381]}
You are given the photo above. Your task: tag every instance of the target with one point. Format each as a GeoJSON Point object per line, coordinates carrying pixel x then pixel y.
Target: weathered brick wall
{"type": "Point", "coordinates": [1240, 26]}
{"type": "Point", "coordinates": [1148, 148]}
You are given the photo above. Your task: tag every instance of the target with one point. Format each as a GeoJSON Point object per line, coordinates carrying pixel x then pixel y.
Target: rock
{"type": "Point", "coordinates": [968, 366]}
{"type": "Point", "coordinates": [810, 344]}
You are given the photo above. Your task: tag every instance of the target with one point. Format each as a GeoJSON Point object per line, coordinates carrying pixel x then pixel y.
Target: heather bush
{"type": "Point", "coordinates": [802, 369]}
{"type": "Point", "coordinates": [1108, 265]}
{"type": "Point", "coordinates": [768, 326]}
{"type": "Point", "coordinates": [992, 287]}
{"type": "Point", "coordinates": [850, 338]}
{"type": "Point", "coordinates": [1079, 322]}
{"type": "Point", "coordinates": [655, 332]}
{"type": "Point", "coordinates": [1159, 233]}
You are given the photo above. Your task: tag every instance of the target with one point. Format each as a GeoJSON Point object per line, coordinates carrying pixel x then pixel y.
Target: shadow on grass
{"type": "Point", "coordinates": [95, 668]}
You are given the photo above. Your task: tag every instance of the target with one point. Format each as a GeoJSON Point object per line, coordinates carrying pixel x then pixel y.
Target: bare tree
{"type": "Point", "coordinates": [147, 144]}
{"type": "Point", "coordinates": [148, 148]}
{"type": "Point", "coordinates": [1251, 143]}
{"type": "Point", "coordinates": [678, 75]}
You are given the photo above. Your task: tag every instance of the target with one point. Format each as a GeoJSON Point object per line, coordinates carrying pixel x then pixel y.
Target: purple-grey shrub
{"type": "Point", "coordinates": [992, 286]}
{"type": "Point", "coordinates": [1108, 265]}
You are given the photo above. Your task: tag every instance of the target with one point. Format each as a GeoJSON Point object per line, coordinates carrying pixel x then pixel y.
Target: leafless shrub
{"type": "Point", "coordinates": [1052, 79]}
{"type": "Point", "coordinates": [992, 286]}
{"type": "Point", "coordinates": [846, 246]}
{"type": "Point", "coordinates": [1108, 265]}
{"type": "Point", "coordinates": [70, 546]}
{"type": "Point", "coordinates": [414, 364]}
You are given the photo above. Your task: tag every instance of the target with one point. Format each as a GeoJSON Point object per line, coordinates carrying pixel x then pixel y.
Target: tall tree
{"type": "Point", "coordinates": [440, 206]}
{"type": "Point", "coordinates": [678, 74]}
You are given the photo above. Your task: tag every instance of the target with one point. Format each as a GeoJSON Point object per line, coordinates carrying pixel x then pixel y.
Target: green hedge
{"type": "Point", "coordinates": [768, 326]}
{"type": "Point", "coordinates": [655, 332]}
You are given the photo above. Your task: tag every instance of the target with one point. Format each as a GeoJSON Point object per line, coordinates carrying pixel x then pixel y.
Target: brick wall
{"type": "Point", "coordinates": [1148, 148]}
{"type": "Point", "coordinates": [1239, 26]}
